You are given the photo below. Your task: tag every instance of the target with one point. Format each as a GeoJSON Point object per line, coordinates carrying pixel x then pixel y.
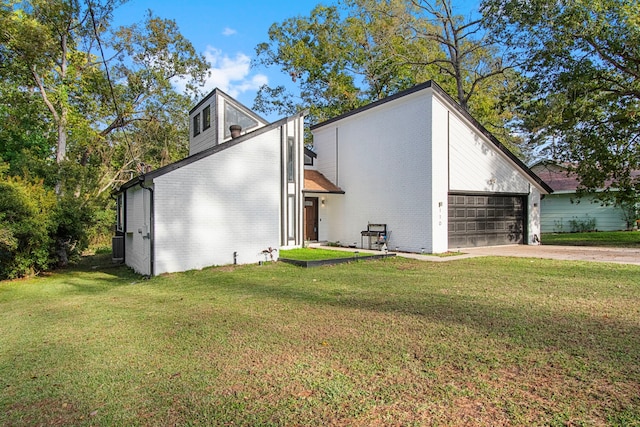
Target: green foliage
{"type": "Point", "coordinates": [581, 225]}
{"type": "Point", "coordinates": [345, 56]}
{"type": "Point", "coordinates": [72, 220]}
{"type": "Point", "coordinates": [26, 227]}
{"type": "Point", "coordinates": [62, 108]}
{"type": "Point", "coordinates": [60, 113]}
{"type": "Point", "coordinates": [581, 102]}
{"type": "Point", "coordinates": [316, 52]}
{"type": "Point", "coordinates": [39, 230]}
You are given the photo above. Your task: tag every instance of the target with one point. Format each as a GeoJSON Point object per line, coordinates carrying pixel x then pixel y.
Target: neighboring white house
{"type": "Point", "coordinates": [230, 200]}
{"type": "Point", "coordinates": [414, 171]}
{"type": "Point", "coordinates": [563, 211]}
{"type": "Point", "coordinates": [419, 166]}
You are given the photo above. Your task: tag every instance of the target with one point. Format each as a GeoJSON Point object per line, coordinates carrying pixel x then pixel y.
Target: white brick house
{"type": "Point", "coordinates": [421, 165]}
{"type": "Point", "coordinates": [415, 162]}
{"type": "Point", "coordinates": [231, 199]}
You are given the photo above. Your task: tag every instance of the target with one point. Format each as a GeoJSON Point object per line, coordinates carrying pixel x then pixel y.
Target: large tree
{"type": "Point", "coordinates": [94, 80]}
{"type": "Point", "coordinates": [362, 50]}
{"type": "Point", "coordinates": [581, 102]}
{"type": "Point", "coordinates": [69, 81]}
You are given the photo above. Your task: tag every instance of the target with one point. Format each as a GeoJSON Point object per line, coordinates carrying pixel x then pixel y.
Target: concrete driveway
{"type": "Point", "coordinates": [572, 253]}
{"type": "Point", "coordinates": [569, 253]}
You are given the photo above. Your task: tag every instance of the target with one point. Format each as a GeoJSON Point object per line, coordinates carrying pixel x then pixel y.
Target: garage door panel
{"type": "Point", "coordinates": [482, 220]}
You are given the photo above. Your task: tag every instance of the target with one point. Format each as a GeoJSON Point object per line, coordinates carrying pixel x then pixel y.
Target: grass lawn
{"type": "Point", "coordinates": [481, 341]}
{"type": "Point", "coordinates": [314, 254]}
{"type": "Point", "coordinates": [616, 239]}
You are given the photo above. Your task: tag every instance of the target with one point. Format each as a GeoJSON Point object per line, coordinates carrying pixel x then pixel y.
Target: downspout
{"type": "Point", "coordinates": [141, 179]}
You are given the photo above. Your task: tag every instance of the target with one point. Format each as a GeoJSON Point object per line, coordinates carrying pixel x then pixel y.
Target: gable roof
{"type": "Point", "coordinates": [453, 105]}
{"type": "Point", "coordinates": [205, 153]}
{"type": "Point", "coordinates": [228, 98]}
{"type": "Point", "coordinates": [315, 182]}
{"type": "Point", "coordinates": [558, 176]}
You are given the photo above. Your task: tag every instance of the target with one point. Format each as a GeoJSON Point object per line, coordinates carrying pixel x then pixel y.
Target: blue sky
{"type": "Point", "coordinates": [227, 32]}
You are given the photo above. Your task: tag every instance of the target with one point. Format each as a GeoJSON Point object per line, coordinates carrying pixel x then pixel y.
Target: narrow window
{"type": "Point", "coordinates": [291, 160]}
{"type": "Point", "coordinates": [206, 117]}
{"type": "Point", "coordinates": [120, 212]}
{"type": "Point", "coordinates": [196, 124]}
{"type": "Point", "coordinates": [291, 214]}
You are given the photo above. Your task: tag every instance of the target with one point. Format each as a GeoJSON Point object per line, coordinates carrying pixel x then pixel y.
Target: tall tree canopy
{"type": "Point", "coordinates": [53, 54]}
{"type": "Point", "coordinates": [68, 82]}
{"type": "Point", "coordinates": [581, 102]}
{"type": "Point", "coordinates": [361, 50]}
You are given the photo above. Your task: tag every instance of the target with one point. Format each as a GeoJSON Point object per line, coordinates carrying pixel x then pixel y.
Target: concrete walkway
{"type": "Point", "coordinates": [568, 253]}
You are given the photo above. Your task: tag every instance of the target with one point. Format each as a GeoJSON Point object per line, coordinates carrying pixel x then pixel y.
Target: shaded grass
{"type": "Point", "coordinates": [482, 341]}
{"type": "Point", "coordinates": [616, 239]}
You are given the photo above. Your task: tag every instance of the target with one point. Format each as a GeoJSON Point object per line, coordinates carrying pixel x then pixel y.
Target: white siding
{"type": "Point", "coordinates": [398, 161]}
{"type": "Point", "coordinates": [477, 165]}
{"type": "Point", "coordinates": [381, 158]}
{"type": "Point", "coordinates": [225, 203]}
{"type": "Point", "coordinates": [439, 175]}
{"type": "Point", "coordinates": [138, 228]}
{"type": "Point", "coordinates": [233, 201]}
{"type": "Point", "coordinates": [558, 211]}
{"type": "Point", "coordinates": [208, 137]}
{"type": "Point", "coordinates": [215, 134]}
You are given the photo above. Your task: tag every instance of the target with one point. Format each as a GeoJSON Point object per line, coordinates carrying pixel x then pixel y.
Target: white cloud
{"type": "Point", "coordinates": [228, 31]}
{"type": "Point", "coordinates": [230, 74]}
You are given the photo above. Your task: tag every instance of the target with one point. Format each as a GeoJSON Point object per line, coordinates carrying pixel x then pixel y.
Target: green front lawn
{"type": "Point", "coordinates": [617, 239]}
{"type": "Point", "coordinates": [314, 254]}
{"type": "Point", "coordinates": [481, 341]}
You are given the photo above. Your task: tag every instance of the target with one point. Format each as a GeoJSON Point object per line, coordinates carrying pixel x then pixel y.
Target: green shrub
{"type": "Point", "coordinates": [26, 227]}
{"type": "Point", "coordinates": [581, 225]}
{"type": "Point", "coordinates": [72, 218]}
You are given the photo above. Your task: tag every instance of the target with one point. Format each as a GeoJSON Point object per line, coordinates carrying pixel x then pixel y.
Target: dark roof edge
{"type": "Point", "coordinates": [492, 138]}
{"type": "Point", "coordinates": [228, 98]}
{"type": "Point", "coordinates": [203, 100]}
{"type": "Point", "coordinates": [310, 153]}
{"type": "Point", "coordinates": [452, 102]}
{"type": "Point", "coordinates": [374, 104]}
{"type": "Point", "coordinates": [205, 153]}
{"type": "Point", "coordinates": [322, 192]}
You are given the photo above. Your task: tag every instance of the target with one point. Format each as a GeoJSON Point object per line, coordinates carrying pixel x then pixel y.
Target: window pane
{"type": "Point", "coordinates": [206, 117]}
{"type": "Point", "coordinates": [291, 213]}
{"type": "Point", "coordinates": [120, 212]}
{"type": "Point", "coordinates": [196, 124]}
{"type": "Point", "coordinates": [234, 116]}
{"type": "Point", "coordinates": [291, 160]}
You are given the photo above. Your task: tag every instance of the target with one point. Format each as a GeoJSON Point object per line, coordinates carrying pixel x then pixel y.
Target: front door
{"type": "Point", "coordinates": [311, 218]}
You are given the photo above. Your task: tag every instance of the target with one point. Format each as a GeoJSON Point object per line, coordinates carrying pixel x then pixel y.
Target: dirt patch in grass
{"type": "Point", "coordinates": [58, 411]}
